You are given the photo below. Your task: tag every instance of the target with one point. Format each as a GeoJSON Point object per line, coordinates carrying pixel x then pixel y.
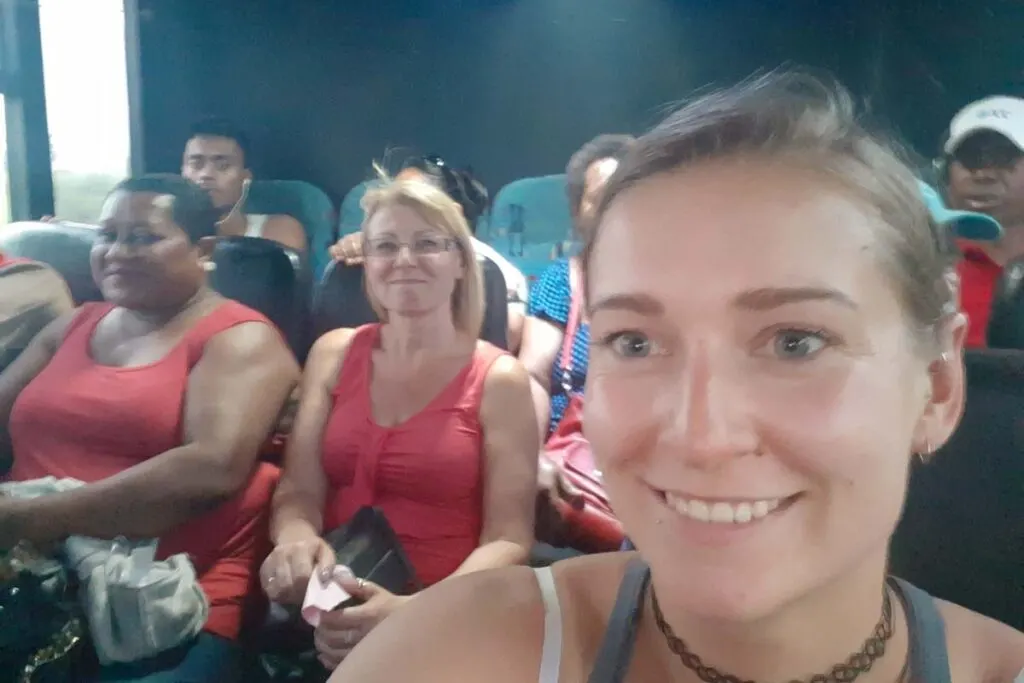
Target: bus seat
{"type": "Point", "coordinates": [961, 537]}
{"type": "Point", "coordinates": [350, 217]}
{"type": "Point", "coordinates": [340, 301]}
{"type": "Point", "coordinates": [63, 246]}
{"type": "Point", "coordinates": [269, 278]}
{"type": "Point", "coordinates": [305, 203]}
{"type": "Point", "coordinates": [495, 327]}
{"type": "Point", "coordinates": [1006, 325]}
{"type": "Point", "coordinates": [538, 210]}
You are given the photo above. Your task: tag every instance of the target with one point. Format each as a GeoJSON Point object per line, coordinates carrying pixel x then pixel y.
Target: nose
{"type": "Point", "coordinates": [987, 174]}
{"type": "Point", "coordinates": [707, 422]}
{"type": "Point", "coordinates": [404, 256]}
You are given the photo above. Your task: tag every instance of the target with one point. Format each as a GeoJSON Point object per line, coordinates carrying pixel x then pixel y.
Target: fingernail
{"type": "Point", "coordinates": [340, 571]}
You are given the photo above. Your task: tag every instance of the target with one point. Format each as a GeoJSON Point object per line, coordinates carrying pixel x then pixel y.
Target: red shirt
{"type": "Point", "coordinates": [425, 474]}
{"type": "Point", "coordinates": [88, 421]}
{"type": "Point", "coordinates": [979, 275]}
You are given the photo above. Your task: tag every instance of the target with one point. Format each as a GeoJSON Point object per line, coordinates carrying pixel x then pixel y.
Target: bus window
{"type": "Point", "coordinates": [5, 187]}
{"type": "Point", "coordinates": [86, 85]}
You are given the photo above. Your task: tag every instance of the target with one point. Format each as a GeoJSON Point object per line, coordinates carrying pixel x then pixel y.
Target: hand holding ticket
{"type": "Point", "coordinates": [323, 594]}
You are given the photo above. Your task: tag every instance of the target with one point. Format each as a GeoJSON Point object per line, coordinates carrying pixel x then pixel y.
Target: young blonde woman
{"type": "Point", "coordinates": [774, 339]}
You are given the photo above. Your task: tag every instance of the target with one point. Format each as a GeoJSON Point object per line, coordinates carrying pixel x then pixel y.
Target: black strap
{"type": "Point", "coordinates": [929, 657]}
{"type": "Point", "coordinates": [616, 653]}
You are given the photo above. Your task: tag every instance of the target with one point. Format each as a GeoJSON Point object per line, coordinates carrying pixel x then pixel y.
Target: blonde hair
{"type": "Point", "coordinates": [443, 213]}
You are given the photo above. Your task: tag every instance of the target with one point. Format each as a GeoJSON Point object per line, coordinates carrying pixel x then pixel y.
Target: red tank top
{"type": "Point", "coordinates": [424, 474]}
{"type": "Point", "coordinates": [88, 421]}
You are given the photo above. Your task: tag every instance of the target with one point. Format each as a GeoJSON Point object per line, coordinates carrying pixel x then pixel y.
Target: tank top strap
{"type": "Point", "coordinates": [225, 316]}
{"type": "Point", "coordinates": [929, 655]}
{"type": "Point", "coordinates": [79, 330]}
{"type": "Point", "coordinates": [355, 368]}
{"type": "Point", "coordinates": [613, 659]}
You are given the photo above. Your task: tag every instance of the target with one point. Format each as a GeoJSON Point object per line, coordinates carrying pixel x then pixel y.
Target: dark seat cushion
{"type": "Point", "coordinates": [63, 246]}
{"type": "Point", "coordinates": [268, 277]}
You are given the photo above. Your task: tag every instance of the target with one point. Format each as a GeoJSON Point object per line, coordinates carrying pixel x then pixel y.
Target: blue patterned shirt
{"type": "Point", "coordinates": [549, 300]}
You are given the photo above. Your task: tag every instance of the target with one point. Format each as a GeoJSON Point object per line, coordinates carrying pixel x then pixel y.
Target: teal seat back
{"type": "Point", "coordinates": [350, 217]}
{"type": "Point", "coordinates": [542, 228]}
{"type": "Point", "coordinates": [307, 204]}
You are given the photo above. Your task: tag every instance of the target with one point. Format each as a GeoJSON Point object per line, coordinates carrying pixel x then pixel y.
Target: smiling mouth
{"type": "Point", "coordinates": [734, 511]}
{"type": "Point", "coordinates": [982, 202]}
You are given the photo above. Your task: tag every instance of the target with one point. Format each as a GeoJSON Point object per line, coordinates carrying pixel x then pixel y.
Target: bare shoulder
{"type": "Point", "coordinates": [249, 339]}
{"type": "Point", "coordinates": [507, 377]}
{"type": "Point", "coordinates": [980, 648]}
{"type": "Point", "coordinates": [286, 230]}
{"type": "Point", "coordinates": [457, 631]}
{"type": "Point", "coordinates": [328, 353]}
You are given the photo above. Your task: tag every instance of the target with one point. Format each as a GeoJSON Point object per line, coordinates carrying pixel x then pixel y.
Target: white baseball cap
{"type": "Point", "coordinates": [1000, 114]}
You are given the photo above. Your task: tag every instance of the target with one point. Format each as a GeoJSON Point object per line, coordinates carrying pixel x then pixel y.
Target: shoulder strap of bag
{"type": "Point", "coordinates": [571, 326]}
{"type": "Point", "coordinates": [616, 653]}
{"type": "Point", "coordinates": [929, 656]}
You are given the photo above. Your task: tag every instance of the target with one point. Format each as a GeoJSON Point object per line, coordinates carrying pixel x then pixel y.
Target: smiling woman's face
{"type": "Point", "coordinates": [745, 307]}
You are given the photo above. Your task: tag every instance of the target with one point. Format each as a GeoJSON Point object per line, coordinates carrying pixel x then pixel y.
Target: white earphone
{"type": "Point", "coordinates": [239, 203]}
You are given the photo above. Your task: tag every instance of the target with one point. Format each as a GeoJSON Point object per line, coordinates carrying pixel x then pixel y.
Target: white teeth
{"type": "Point", "coordinates": [744, 513]}
{"type": "Point", "coordinates": [698, 509]}
{"type": "Point", "coordinates": [721, 512]}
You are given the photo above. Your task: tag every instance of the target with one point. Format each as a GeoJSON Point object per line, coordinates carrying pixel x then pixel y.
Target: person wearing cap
{"type": "Point", "coordinates": [982, 167]}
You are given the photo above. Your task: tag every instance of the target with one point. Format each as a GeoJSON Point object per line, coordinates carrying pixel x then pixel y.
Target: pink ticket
{"type": "Point", "coordinates": [321, 596]}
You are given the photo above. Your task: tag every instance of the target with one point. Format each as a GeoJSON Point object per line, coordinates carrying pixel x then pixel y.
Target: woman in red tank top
{"type": "Point", "coordinates": [159, 400]}
{"type": "Point", "coordinates": [414, 416]}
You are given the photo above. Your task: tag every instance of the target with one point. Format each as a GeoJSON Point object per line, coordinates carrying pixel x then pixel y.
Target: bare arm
{"type": "Point", "coordinates": [235, 394]}
{"type": "Point", "coordinates": [299, 501]}
{"type": "Point", "coordinates": [510, 461]}
{"type": "Point", "coordinates": [30, 363]}
{"type": "Point", "coordinates": [541, 343]}
{"type": "Point", "coordinates": [287, 231]}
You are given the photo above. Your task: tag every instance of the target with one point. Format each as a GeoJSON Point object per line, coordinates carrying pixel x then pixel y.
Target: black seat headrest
{"type": "Point", "coordinates": [268, 277]}
{"type": "Point", "coordinates": [63, 246]}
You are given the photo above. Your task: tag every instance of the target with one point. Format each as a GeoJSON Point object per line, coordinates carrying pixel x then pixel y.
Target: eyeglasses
{"type": "Point", "coordinates": [425, 245]}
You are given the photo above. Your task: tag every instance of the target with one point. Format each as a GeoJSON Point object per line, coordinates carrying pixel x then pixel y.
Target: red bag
{"type": "Point", "coordinates": [593, 528]}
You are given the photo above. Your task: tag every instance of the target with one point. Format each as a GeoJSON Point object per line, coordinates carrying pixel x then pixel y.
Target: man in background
{"type": "Point", "coordinates": [216, 159]}
{"type": "Point", "coordinates": [982, 168]}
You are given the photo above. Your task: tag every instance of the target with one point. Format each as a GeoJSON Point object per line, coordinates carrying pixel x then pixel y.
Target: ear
{"type": "Point", "coordinates": [247, 174]}
{"type": "Point", "coordinates": [945, 389]}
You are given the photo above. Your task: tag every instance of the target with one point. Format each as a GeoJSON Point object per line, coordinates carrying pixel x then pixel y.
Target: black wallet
{"type": "Point", "coordinates": [370, 548]}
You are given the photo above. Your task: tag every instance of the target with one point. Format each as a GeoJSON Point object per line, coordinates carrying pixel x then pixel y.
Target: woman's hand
{"type": "Point", "coordinates": [555, 492]}
{"type": "Point", "coordinates": [341, 630]}
{"type": "Point", "coordinates": [552, 482]}
{"type": "Point", "coordinates": [349, 249]}
{"type": "Point", "coordinates": [286, 571]}
{"type": "Point", "coordinates": [26, 519]}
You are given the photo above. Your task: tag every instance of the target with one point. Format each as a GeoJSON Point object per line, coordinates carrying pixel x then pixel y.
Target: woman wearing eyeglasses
{"type": "Point", "coordinates": [472, 199]}
{"type": "Point", "coordinates": [413, 416]}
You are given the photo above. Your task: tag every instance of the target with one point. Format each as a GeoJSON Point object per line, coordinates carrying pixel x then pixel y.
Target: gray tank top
{"type": "Point", "coordinates": [929, 658]}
